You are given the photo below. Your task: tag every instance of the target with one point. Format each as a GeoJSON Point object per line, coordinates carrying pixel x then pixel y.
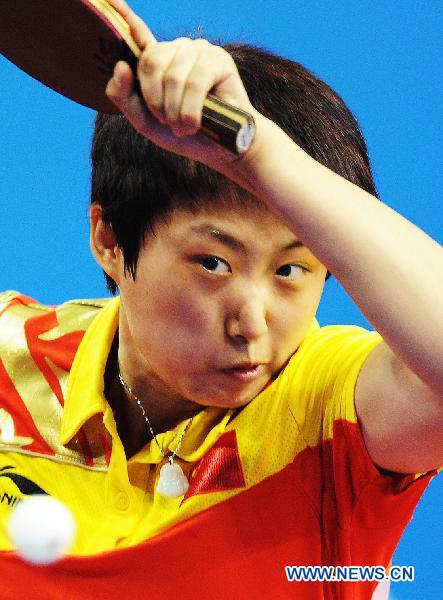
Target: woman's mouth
{"type": "Point", "coordinates": [244, 373]}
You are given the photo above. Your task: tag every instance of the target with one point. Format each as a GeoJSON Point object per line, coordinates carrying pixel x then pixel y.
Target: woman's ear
{"type": "Point", "coordinates": [104, 245]}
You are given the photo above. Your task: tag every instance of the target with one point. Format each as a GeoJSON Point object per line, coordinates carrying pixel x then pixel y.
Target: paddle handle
{"type": "Point", "coordinates": [229, 126]}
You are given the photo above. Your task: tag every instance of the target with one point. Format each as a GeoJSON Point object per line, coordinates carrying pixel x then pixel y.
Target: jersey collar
{"type": "Point", "coordinates": [85, 396]}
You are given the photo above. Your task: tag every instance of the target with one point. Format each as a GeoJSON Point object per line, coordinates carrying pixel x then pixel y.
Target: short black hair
{"type": "Point", "coordinates": [137, 183]}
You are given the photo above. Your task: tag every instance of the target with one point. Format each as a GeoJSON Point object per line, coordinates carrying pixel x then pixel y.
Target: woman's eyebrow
{"type": "Point", "coordinates": [293, 244]}
{"type": "Point", "coordinates": [214, 232]}
{"type": "Point", "coordinates": [211, 231]}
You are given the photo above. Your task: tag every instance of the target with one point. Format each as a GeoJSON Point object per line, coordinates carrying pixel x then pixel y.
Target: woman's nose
{"type": "Point", "coordinates": [249, 321]}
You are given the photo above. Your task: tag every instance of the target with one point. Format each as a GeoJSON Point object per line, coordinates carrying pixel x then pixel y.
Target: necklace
{"type": "Point", "coordinates": [172, 482]}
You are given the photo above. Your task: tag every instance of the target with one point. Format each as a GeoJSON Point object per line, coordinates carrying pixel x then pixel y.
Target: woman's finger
{"type": "Point", "coordinates": [153, 64]}
{"type": "Point", "coordinates": [120, 90]}
{"type": "Point", "coordinates": [141, 33]}
{"type": "Point", "coordinates": [176, 77]}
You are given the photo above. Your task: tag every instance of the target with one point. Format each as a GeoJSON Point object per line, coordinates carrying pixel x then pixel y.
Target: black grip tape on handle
{"type": "Point", "coordinates": [229, 126]}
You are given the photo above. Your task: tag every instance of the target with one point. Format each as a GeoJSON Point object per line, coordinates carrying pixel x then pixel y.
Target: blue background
{"type": "Point", "coordinates": [384, 58]}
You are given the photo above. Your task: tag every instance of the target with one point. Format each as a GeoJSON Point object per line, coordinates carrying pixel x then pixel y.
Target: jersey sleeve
{"type": "Point", "coordinates": [355, 494]}
{"type": "Point", "coordinates": [326, 368]}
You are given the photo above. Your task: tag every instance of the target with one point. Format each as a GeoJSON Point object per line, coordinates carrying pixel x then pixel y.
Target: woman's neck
{"type": "Point", "coordinates": [164, 411]}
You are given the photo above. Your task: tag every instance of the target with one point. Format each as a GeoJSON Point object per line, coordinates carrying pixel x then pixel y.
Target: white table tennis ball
{"type": "Point", "coordinates": [41, 528]}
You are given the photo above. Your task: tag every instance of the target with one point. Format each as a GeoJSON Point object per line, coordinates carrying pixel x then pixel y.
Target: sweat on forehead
{"type": "Point", "coordinates": [229, 201]}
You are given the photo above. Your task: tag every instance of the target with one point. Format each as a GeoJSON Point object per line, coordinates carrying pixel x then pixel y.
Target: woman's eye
{"type": "Point", "coordinates": [291, 272]}
{"type": "Point", "coordinates": [214, 264]}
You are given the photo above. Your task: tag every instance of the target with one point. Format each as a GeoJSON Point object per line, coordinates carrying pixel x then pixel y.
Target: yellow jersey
{"type": "Point", "coordinates": [286, 480]}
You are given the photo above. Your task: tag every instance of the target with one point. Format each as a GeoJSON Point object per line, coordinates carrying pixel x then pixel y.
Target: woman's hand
{"type": "Point", "coordinates": [175, 78]}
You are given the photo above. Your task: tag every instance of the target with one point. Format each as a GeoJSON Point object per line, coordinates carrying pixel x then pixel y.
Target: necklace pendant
{"type": "Point", "coordinates": [172, 482]}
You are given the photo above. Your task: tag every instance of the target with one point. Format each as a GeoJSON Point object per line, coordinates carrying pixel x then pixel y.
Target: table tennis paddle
{"type": "Point", "coordinates": [72, 47]}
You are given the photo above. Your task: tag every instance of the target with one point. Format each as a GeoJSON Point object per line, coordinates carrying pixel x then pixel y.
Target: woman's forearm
{"type": "Point", "coordinates": [392, 269]}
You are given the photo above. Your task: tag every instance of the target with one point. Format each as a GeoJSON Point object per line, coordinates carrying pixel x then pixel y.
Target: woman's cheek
{"type": "Point", "coordinates": [182, 330]}
{"type": "Point", "coordinates": [187, 312]}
